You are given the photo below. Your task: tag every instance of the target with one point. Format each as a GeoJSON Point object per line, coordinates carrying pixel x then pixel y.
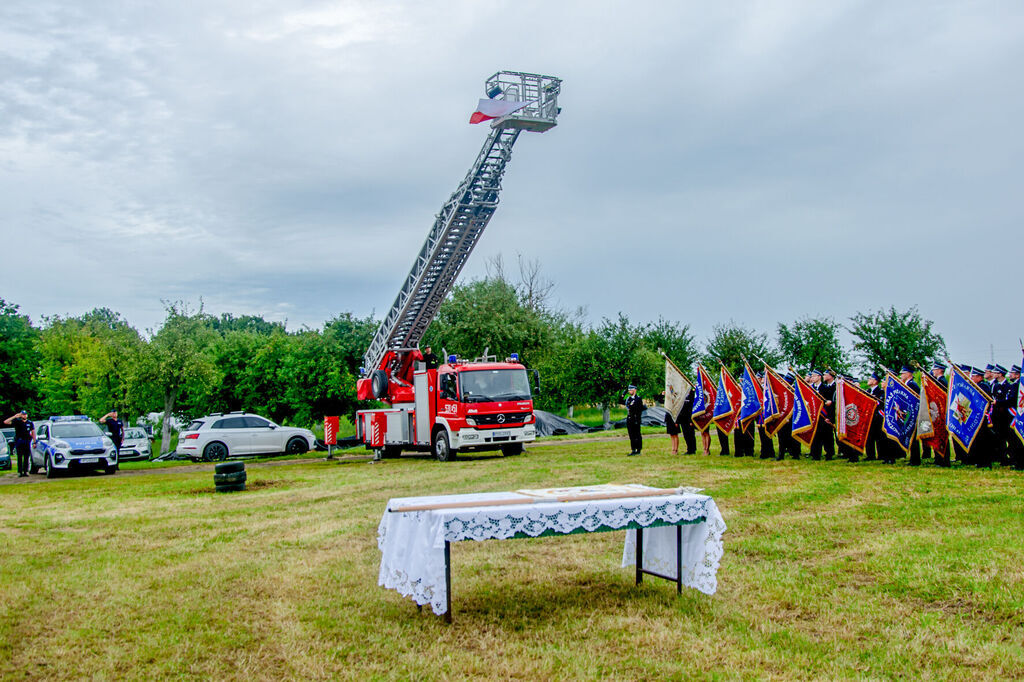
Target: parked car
{"type": "Point", "coordinates": [136, 444]}
{"type": "Point", "coordinates": [222, 435]}
{"type": "Point", "coordinates": [7, 452]}
{"type": "Point", "coordinates": [71, 443]}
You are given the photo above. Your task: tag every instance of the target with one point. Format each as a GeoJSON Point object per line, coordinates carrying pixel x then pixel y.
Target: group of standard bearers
{"type": "Point", "coordinates": [995, 444]}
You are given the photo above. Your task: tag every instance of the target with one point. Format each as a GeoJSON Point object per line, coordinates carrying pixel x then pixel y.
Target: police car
{"type": "Point", "coordinates": [71, 443]}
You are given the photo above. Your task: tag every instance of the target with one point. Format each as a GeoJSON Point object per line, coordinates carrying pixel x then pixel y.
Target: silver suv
{"type": "Point", "coordinates": [230, 434]}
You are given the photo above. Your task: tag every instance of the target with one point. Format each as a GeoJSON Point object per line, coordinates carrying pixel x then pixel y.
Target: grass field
{"type": "Point", "coordinates": [831, 570]}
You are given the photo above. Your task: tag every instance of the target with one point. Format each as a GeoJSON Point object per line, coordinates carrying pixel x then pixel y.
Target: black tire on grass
{"type": "Point", "coordinates": [233, 477]}
{"type": "Point", "coordinates": [230, 487]}
{"type": "Point", "coordinates": [229, 467]}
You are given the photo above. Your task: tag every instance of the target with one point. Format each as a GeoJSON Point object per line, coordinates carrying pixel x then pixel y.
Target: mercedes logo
{"type": "Point", "coordinates": [501, 419]}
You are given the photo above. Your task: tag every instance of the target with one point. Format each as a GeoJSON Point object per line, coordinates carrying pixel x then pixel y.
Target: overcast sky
{"type": "Point", "coordinates": [757, 162]}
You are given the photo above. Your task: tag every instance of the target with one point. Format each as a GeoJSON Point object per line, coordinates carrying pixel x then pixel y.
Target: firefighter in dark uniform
{"type": "Point", "coordinates": [907, 377]}
{"type": "Point", "coordinates": [429, 359]}
{"type": "Point", "coordinates": [24, 434]}
{"type": "Point", "coordinates": [1015, 446]}
{"type": "Point", "coordinates": [876, 440]}
{"type": "Point", "coordinates": [685, 422]}
{"type": "Point", "coordinates": [938, 372]}
{"type": "Point", "coordinates": [980, 453]}
{"type": "Point", "coordinates": [1000, 415]}
{"type": "Point", "coordinates": [787, 444]}
{"type": "Point", "coordinates": [634, 409]}
{"type": "Point", "coordinates": [824, 437]}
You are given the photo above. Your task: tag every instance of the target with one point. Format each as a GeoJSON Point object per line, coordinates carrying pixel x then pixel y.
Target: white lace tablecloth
{"type": "Point", "coordinates": [412, 543]}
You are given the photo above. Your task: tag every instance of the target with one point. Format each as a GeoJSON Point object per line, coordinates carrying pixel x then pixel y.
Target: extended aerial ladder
{"type": "Point", "coordinates": [456, 231]}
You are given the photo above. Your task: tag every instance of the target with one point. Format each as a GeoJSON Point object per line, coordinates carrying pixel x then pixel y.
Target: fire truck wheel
{"type": "Point", "coordinates": [379, 383]}
{"type": "Point", "coordinates": [442, 448]}
{"type": "Point", "coordinates": [510, 450]}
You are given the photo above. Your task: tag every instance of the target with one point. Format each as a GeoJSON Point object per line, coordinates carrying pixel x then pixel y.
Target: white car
{"type": "Point", "coordinates": [136, 444]}
{"type": "Point", "coordinates": [71, 443]}
{"type": "Point", "coordinates": [222, 435]}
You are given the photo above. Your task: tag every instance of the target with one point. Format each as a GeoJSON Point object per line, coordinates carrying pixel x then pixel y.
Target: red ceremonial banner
{"type": "Point", "coordinates": [734, 393]}
{"type": "Point", "coordinates": [856, 410]}
{"type": "Point", "coordinates": [703, 420]}
{"type": "Point", "coordinates": [783, 398]}
{"type": "Point", "coordinates": [931, 425]}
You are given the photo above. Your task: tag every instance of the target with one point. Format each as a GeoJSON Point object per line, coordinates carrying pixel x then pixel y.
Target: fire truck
{"type": "Point", "coordinates": [461, 405]}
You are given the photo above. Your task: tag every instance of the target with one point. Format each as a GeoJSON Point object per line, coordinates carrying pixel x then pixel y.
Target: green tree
{"type": "Point", "coordinates": [812, 342]}
{"type": "Point", "coordinates": [19, 359]}
{"type": "Point", "coordinates": [731, 342]}
{"type": "Point", "coordinates": [891, 338]}
{"type": "Point", "coordinates": [675, 340]}
{"type": "Point", "coordinates": [179, 369]}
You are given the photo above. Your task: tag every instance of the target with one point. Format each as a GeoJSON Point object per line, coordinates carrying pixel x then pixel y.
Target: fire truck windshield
{"type": "Point", "coordinates": [492, 385]}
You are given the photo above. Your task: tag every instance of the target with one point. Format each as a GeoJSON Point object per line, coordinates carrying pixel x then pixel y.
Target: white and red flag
{"type": "Point", "coordinates": [487, 109]}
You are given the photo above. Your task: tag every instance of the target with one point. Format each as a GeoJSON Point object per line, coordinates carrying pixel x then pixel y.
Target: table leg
{"type": "Point", "coordinates": [448, 581]}
{"type": "Point", "coordinates": [679, 559]}
{"type": "Point", "coordinates": [639, 555]}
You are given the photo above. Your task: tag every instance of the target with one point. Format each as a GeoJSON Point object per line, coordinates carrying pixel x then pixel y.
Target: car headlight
{"type": "Point", "coordinates": [107, 442]}
{"type": "Point", "coordinates": [470, 421]}
{"type": "Point", "coordinates": [61, 444]}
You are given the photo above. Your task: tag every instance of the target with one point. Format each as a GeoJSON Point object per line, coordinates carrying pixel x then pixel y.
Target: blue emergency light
{"type": "Point", "coordinates": [452, 359]}
{"type": "Point", "coordinates": [515, 357]}
{"type": "Point", "coordinates": [70, 418]}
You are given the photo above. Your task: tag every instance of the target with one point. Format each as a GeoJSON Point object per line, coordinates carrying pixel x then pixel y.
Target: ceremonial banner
{"type": "Point", "coordinates": [965, 409]}
{"type": "Point", "coordinates": [931, 416]}
{"type": "Point", "coordinates": [855, 411]}
{"type": "Point", "coordinates": [704, 400]}
{"type": "Point", "coordinates": [677, 386]}
{"type": "Point", "coordinates": [782, 394]}
{"type": "Point", "coordinates": [901, 406]}
{"type": "Point", "coordinates": [752, 395]}
{"type": "Point", "coordinates": [727, 403]}
{"type": "Point", "coordinates": [807, 405]}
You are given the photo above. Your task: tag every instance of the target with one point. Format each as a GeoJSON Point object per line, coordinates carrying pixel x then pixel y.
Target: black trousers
{"type": "Point", "coordinates": [689, 435]}
{"type": "Point", "coordinates": [744, 442]}
{"type": "Point", "coordinates": [767, 444]}
{"type": "Point", "coordinates": [636, 443]}
{"type": "Point", "coordinates": [915, 453]}
{"type": "Point", "coordinates": [24, 458]}
{"type": "Point", "coordinates": [787, 444]}
{"type": "Point", "coordinates": [823, 440]}
{"type": "Point", "coordinates": [1015, 449]}
{"type": "Point", "coordinates": [723, 440]}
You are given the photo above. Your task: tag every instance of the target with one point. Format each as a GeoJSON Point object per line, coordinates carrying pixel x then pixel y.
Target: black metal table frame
{"type": "Point", "coordinates": [640, 570]}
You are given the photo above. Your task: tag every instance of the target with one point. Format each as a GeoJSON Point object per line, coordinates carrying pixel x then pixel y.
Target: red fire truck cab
{"type": "Point", "coordinates": [458, 407]}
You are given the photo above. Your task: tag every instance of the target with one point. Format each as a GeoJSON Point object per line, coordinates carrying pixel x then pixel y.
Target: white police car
{"type": "Point", "coordinates": [71, 443]}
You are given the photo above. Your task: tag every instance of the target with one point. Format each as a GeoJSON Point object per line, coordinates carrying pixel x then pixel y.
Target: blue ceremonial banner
{"type": "Point", "coordinates": [750, 405]}
{"type": "Point", "coordinates": [700, 398]}
{"type": "Point", "coordinates": [723, 408]}
{"type": "Point", "coordinates": [901, 407]}
{"type": "Point", "coordinates": [965, 412]}
{"type": "Point", "coordinates": [769, 405]}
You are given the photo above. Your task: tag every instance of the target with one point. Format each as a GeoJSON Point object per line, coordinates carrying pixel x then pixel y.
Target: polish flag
{"type": "Point", "coordinates": [487, 109]}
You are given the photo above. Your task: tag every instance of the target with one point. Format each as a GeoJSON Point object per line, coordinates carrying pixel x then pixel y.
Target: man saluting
{"type": "Point", "coordinates": [634, 408]}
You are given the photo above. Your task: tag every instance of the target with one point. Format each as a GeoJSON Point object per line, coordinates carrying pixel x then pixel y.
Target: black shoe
{"type": "Point", "coordinates": [690, 453]}
{"type": "Point", "coordinates": [22, 474]}
{"type": "Point", "coordinates": [633, 454]}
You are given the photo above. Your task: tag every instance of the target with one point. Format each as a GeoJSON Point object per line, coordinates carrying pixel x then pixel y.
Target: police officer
{"type": "Point", "coordinates": [824, 437]}
{"type": "Point", "coordinates": [24, 434]}
{"type": "Point", "coordinates": [634, 409]}
{"type": "Point", "coordinates": [876, 441]}
{"type": "Point", "coordinates": [116, 428]}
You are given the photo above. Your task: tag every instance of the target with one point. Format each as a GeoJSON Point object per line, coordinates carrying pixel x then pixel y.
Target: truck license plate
{"type": "Point", "coordinates": [501, 434]}
{"type": "Point", "coordinates": [89, 460]}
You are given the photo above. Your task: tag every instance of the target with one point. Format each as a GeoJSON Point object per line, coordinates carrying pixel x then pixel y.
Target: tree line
{"type": "Point", "coordinates": [196, 363]}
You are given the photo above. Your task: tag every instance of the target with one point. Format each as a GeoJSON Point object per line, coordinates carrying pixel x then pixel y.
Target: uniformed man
{"type": "Point", "coordinates": [824, 437]}
{"type": "Point", "coordinates": [1000, 414]}
{"type": "Point", "coordinates": [938, 372]}
{"type": "Point", "coordinates": [116, 428]}
{"type": "Point", "coordinates": [1014, 446]}
{"type": "Point", "coordinates": [24, 434]}
{"type": "Point", "coordinates": [907, 377]}
{"type": "Point", "coordinates": [685, 422]}
{"type": "Point", "coordinates": [743, 439]}
{"type": "Point", "coordinates": [429, 359]}
{"type": "Point", "coordinates": [634, 410]}
{"type": "Point", "coordinates": [876, 440]}
{"type": "Point", "coordinates": [787, 444]}
{"type": "Point", "coordinates": [980, 453]}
